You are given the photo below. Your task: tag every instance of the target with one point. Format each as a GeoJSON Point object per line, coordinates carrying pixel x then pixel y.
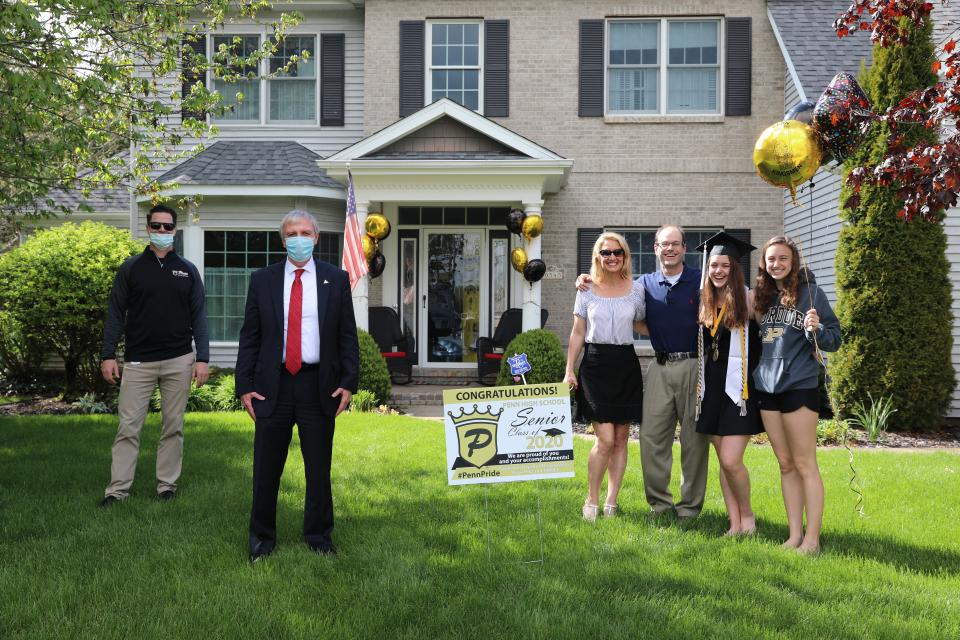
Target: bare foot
{"type": "Point", "coordinates": [748, 525]}
{"type": "Point", "coordinates": [791, 543]}
{"type": "Point", "coordinates": [731, 532]}
{"type": "Point", "coordinates": [808, 549]}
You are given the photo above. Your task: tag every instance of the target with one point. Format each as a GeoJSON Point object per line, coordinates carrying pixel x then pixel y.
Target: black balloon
{"type": "Point", "coordinates": [377, 264]}
{"type": "Point", "coordinates": [802, 111]}
{"type": "Point", "coordinates": [515, 221]}
{"type": "Point", "coordinates": [534, 270]}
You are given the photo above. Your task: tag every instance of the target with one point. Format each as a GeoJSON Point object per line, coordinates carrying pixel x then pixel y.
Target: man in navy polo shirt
{"type": "Point", "coordinates": [672, 297]}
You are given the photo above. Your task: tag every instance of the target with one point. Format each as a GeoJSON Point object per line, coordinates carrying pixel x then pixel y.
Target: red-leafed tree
{"type": "Point", "coordinates": [926, 174]}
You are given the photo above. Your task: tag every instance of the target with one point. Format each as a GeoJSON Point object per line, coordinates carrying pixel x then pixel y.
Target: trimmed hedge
{"type": "Point", "coordinates": [893, 287]}
{"type": "Point", "coordinates": [374, 375]}
{"type": "Point", "coordinates": [544, 353]}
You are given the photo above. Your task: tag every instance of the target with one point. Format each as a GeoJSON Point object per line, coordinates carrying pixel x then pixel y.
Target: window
{"type": "Point", "coordinates": [641, 247]}
{"type": "Point", "coordinates": [247, 110]}
{"type": "Point", "coordinates": [455, 63]}
{"type": "Point", "coordinates": [293, 93]}
{"type": "Point", "coordinates": [229, 257]}
{"type": "Point", "coordinates": [639, 74]}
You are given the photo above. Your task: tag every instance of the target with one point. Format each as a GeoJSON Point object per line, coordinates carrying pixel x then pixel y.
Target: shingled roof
{"type": "Point", "coordinates": [810, 44]}
{"type": "Point", "coordinates": [252, 163]}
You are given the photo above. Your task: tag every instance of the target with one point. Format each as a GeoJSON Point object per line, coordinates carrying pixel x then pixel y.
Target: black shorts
{"type": "Point", "coordinates": [789, 401]}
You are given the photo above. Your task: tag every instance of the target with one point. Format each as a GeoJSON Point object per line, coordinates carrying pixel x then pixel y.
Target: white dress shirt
{"type": "Point", "coordinates": [309, 323]}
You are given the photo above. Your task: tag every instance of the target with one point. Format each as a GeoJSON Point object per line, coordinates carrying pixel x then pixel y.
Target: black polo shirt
{"type": "Point", "coordinates": [158, 305]}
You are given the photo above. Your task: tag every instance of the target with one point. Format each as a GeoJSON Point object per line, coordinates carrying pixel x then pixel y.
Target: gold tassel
{"type": "Point", "coordinates": [743, 369]}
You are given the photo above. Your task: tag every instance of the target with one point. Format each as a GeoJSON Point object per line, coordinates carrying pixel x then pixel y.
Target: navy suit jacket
{"type": "Point", "coordinates": [260, 356]}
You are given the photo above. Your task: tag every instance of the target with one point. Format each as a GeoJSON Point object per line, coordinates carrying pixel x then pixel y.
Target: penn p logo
{"type": "Point", "coordinates": [477, 436]}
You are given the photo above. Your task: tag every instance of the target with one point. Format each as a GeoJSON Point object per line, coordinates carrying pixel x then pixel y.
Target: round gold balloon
{"type": "Point", "coordinates": [369, 247]}
{"type": "Point", "coordinates": [787, 154]}
{"type": "Point", "coordinates": [532, 226]}
{"type": "Point", "coordinates": [377, 226]}
{"type": "Point", "coordinates": [518, 259]}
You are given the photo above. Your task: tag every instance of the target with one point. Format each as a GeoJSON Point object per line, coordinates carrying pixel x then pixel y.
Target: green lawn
{"type": "Point", "coordinates": [413, 559]}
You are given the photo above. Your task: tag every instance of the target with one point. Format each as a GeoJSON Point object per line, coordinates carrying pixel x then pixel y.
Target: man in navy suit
{"type": "Point", "coordinates": [298, 362]}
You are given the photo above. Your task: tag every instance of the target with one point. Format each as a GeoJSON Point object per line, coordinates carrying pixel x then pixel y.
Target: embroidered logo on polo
{"type": "Point", "coordinates": [180, 274]}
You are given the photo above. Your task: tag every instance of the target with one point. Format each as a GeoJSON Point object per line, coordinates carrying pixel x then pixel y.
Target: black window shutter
{"type": "Point", "coordinates": [331, 79]}
{"type": "Point", "coordinates": [744, 235]}
{"type": "Point", "coordinates": [591, 68]}
{"type": "Point", "coordinates": [190, 49]}
{"type": "Point", "coordinates": [585, 241]}
{"type": "Point", "coordinates": [496, 68]}
{"type": "Point", "coordinates": [739, 66]}
{"type": "Point", "coordinates": [411, 66]}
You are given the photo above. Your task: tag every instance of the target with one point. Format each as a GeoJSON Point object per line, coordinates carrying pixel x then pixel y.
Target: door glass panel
{"type": "Point", "coordinates": [500, 277]}
{"type": "Point", "coordinates": [453, 297]}
{"type": "Point", "coordinates": [408, 286]}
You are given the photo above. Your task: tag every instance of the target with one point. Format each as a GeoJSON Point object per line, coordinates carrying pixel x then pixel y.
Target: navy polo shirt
{"type": "Point", "coordinates": [672, 311]}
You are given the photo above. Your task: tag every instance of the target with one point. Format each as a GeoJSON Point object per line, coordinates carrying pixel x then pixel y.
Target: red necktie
{"type": "Point", "coordinates": [294, 359]}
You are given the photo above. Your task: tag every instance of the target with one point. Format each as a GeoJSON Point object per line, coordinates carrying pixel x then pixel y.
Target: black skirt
{"type": "Point", "coordinates": [610, 384]}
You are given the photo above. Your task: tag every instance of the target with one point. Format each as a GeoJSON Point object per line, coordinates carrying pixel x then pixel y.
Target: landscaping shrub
{"type": "Point", "coordinates": [225, 393]}
{"type": "Point", "coordinates": [374, 375]}
{"type": "Point", "coordinates": [893, 287]}
{"type": "Point", "coordinates": [544, 353]}
{"type": "Point", "coordinates": [363, 401]}
{"type": "Point", "coordinates": [201, 399]}
{"type": "Point", "coordinates": [55, 289]}
{"type": "Point", "coordinates": [20, 353]}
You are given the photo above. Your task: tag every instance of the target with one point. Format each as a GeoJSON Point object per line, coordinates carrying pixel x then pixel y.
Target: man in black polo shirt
{"type": "Point", "coordinates": [673, 298]}
{"type": "Point", "coordinates": [157, 302]}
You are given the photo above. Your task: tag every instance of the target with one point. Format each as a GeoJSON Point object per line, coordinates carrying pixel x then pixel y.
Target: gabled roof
{"type": "Point", "coordinates": [810, 46]}
{"type": "Point", "coordinates": [814, 53]}
{"type": "Point", "coordinates": [237, 162]}
{"type": "Point", "coordinates": [367, 148]}
{"type": "Point", "coordinates": [100, 200]}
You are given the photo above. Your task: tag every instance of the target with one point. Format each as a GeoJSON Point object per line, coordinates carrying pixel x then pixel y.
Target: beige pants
{"type": "Point", "coordinates": [136, 386]}
{"type": "Point", "coordinates": [669, 398]}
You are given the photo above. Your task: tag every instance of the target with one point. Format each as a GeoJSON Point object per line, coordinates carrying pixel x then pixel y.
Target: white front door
{"type": "Point", "coordinates": [454, 276]}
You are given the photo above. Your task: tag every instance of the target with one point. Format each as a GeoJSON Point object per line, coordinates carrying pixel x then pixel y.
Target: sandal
{"type": "Point", "coordinates": [589, 512]}
{"type": "Point", "coordinates": [610, 510]}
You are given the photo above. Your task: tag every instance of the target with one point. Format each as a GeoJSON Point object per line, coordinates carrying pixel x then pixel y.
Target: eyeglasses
{"type": "Point", "coordinates": [606, 253]}
{"type": "Point", "coordinates": [166, 226]}
{"type": "Point", "coordinates": [669, 245]}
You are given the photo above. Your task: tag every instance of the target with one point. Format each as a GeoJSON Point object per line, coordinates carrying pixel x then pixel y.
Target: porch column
{"type": "Point", "coordinates": [531, 292]}
{"type": "Point", "coordinates": [360, 293]}
{"type": "Point", "coordinates": [192, 237]}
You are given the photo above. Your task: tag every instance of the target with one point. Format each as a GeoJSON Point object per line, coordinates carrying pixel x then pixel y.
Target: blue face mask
{"type": "Point", "coordinates": [299, 248]}
{"type": "Point", "coordinates": [161, 240]}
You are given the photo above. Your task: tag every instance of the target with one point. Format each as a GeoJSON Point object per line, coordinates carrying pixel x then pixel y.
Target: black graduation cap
{"type": "Point", "coordinates": [553, 431]}
{"type": "Point", "coordinates": [724, 244]}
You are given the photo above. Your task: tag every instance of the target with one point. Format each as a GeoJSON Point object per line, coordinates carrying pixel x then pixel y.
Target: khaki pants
{"type": "Point", "coordinates": [669, 398]}
{"type": "Point", "coordinates": [136, 387]}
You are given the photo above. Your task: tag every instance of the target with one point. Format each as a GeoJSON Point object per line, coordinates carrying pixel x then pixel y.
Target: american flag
{"type": "Point", "coordinates": [353, 260]}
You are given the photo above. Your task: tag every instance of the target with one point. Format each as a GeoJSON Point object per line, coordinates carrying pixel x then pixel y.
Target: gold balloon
{"type": "Point", "coordinates": [377, 226]}
{"type": "Point", "coordinates": [787, 154]}
{"type": "Point", "coordinates": [518, 259]}
{"type": "Point", "coordinates": [532, 226]}
{"type": "Point", "coordinates": [369, 247]}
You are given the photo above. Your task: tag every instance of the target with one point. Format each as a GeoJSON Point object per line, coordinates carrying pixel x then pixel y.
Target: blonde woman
{"type": "Point", "coordinates": [609, 387]}
{"type": "Point", "coordinates": [787, 380]}
{"type": "Point", "coordinates": [728, 350]}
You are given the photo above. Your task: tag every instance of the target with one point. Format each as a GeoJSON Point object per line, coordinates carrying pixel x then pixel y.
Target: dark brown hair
{"type": "Point", "coordinates": [733, 294]}
{"type": "Point", "coordinates": [766, 290]}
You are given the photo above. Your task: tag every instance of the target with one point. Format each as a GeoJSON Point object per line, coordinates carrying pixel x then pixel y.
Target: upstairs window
{"type": "Point", "coordinates": [247, 110]}
{"type": "Point", "coordinates": [293, 94]}
{"type": "Point", "coordinates": [455, 61]}
{"type": "Point", "coordinates": [663, 66]}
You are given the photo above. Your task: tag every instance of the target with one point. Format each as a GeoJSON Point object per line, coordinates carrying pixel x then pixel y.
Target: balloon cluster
{"type": "Point", "coordinates": [528, 227]}
{"type": "Point", "coordinates": [377, 228]}
{"type": "Point", "coordinates": [789, 152]}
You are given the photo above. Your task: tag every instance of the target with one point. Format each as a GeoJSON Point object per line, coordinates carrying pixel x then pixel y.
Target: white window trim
{"type": "Point", "coordinates": [264, 83]}
{"type": "Point", "coordinates": [428, 60]}
{"type": "Point", "coordinates": [663, 57]}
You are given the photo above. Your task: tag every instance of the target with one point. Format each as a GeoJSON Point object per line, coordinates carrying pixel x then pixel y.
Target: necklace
{"type": "Point", "coordinates": [714, 343]}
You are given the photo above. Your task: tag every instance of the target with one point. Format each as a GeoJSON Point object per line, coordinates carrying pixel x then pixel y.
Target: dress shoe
{"type": "Point", "coordinates": [166, 496]}
{"type": "Point", "coordinates": [109, 501]}
{"type": "Point", "coordinates": [324, 548]}
{"type": "Point", "coordinates": [257, 556]}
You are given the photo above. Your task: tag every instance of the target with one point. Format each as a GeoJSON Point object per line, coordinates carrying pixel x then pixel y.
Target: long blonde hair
{"type": "Point", "coordinates": [597, 272]}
